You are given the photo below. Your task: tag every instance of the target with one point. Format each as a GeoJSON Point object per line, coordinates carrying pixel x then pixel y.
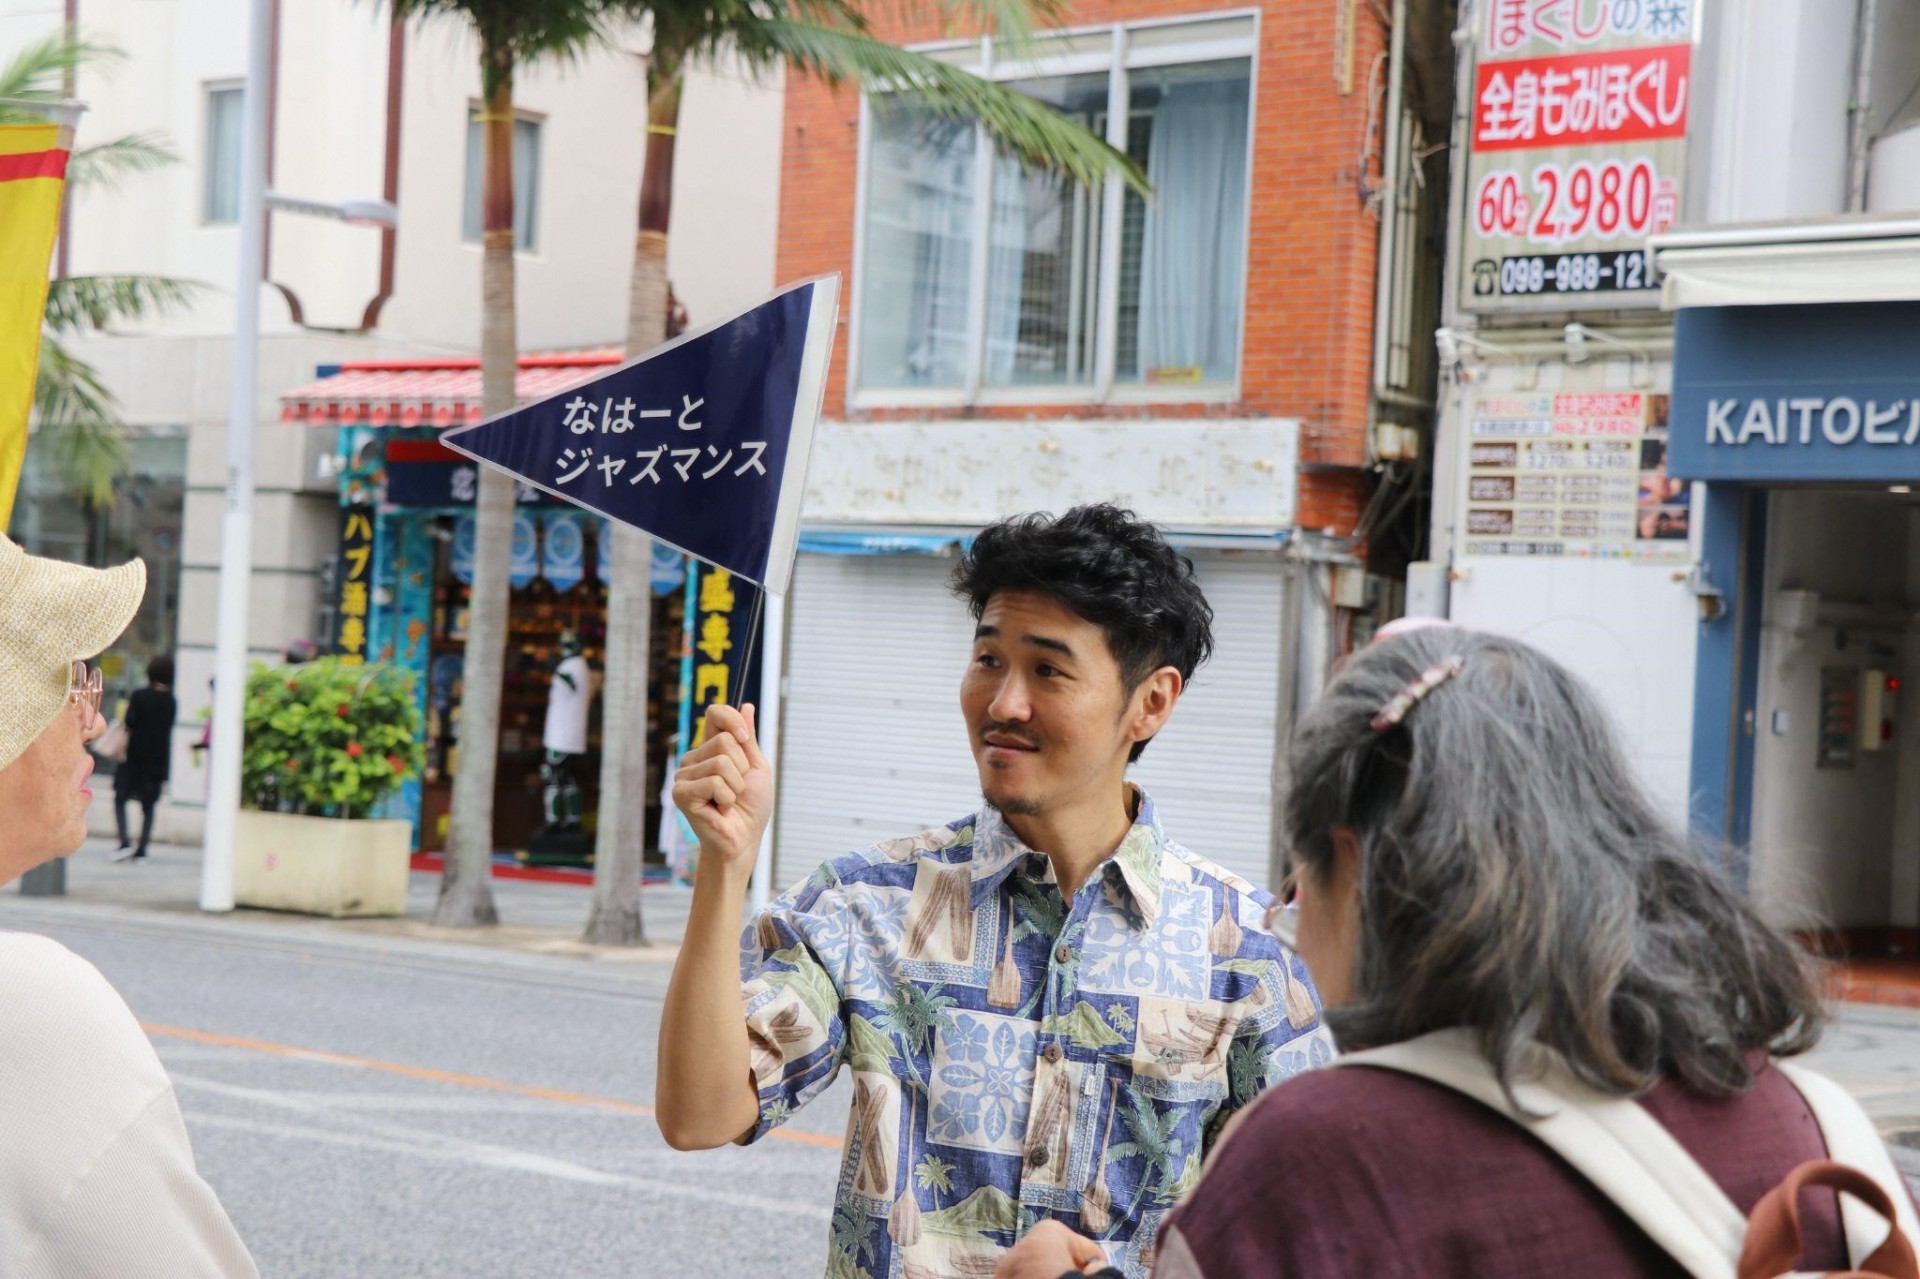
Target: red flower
{"type": "Point", "coordinates": [293, 766]}
{"type": "Point", "coordinates": [292, 687]}
{"type": "Point", "coordinates": [353, 750]}
{"type": "Point", "coordinates": [395, 763]}
{"type": "Point", "coordinates": [341, 710]}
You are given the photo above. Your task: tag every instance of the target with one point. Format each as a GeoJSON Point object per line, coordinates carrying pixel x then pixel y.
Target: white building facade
{"type": "Point", "coordinates": [1682, 316]}
{"type": "Point", "coordinates": [360, 110]}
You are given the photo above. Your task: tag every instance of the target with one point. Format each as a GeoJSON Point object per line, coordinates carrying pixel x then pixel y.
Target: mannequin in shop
{"type": "Point", "coordinates": [569, 697]}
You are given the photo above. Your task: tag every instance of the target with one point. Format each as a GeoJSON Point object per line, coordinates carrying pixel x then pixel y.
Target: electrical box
{"type": "Point", "coordinates": [1879, 709]}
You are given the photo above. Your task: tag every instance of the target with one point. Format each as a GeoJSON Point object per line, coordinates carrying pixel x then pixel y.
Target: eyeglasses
{"type": "Point", "coordinates": [84, 684]}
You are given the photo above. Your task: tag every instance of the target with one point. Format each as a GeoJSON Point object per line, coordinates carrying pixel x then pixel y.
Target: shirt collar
{"type": "Point", "coordinates": [1136, 863]}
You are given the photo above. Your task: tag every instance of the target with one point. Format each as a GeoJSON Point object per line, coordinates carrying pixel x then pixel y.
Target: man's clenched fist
{"type": "Point", "coordinates": [725, 788]}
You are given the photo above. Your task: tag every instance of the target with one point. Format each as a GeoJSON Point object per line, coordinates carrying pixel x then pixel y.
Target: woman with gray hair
{"type": "Point", "coordinates": [96, 1176]}
{"type": "Point", "coordinates": [1474, 856]}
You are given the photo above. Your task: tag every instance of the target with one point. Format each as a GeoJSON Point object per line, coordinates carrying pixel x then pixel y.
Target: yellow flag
{"type": "Point", "coordinates": [33, 169]}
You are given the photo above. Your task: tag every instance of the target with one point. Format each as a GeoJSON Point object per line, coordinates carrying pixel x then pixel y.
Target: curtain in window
{"type": "Point", "coordinates": [918, 253]}
{"type": "Point", "coordinates": [222, 203]}
{"type": "Point", "coordinates": [1191, 260]}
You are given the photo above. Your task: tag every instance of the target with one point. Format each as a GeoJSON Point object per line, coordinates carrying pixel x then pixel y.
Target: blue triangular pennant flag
{"type": "Point", "coordinates": [702, 443]}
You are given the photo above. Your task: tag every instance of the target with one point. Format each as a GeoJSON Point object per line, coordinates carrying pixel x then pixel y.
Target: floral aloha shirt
{"type": "Point", "coordinates": [1017, 1056]}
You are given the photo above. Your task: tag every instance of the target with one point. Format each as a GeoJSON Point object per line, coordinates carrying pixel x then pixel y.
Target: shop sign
{"type": "Point", "coordinates": [1577, 148]}
{"type": "Point", "coordinates": [1797, 393]}
{"type": "Point", "coordinates": [723, 663]}
{"type": "Point", "coordinates": [354, 580]}
{"type": "Point", "coordinates": [1572, 473]}
{"type": "Point", "coordinates": [524, 564]}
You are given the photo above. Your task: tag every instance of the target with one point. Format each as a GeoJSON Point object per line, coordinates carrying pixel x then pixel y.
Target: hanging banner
{"type": "Point", "coordinates": [702, 443]}
{"type": "Point", "coordinates": [33, 168]}
{"type": "Point", "coordinates": [465, 531]}
{"type": "Point", "coordinates": [354, 580]}
{"type": "Point", "coordinates": [1577, 150]}
{"type": "Point", "coordinates": [722, 634]}
{"type": "Point", "coordinates": [564, 559]}
{"type": "Point", "coordinates": [525, 564]}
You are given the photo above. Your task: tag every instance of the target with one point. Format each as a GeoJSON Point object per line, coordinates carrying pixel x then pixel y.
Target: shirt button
{"type": "Point", "coordinates": [1062, 952]}
{"type": "Point", "coordinates": [1052, 1054]}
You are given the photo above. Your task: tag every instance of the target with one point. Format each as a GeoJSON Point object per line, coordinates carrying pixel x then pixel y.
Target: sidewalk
{"type": "Point", "coordinates": [535, 917]}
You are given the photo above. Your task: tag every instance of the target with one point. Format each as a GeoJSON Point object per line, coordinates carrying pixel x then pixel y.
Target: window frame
{"type": "Point", "coordinates": [1235, 35]}
{"type": "Point", "coordinates": [208, 90]}
{"type": "Point", "coordinates": [539, 122]}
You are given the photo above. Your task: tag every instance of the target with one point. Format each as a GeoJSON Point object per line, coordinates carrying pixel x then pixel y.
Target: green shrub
{"type": "Point", "coordinates": [328, 738]}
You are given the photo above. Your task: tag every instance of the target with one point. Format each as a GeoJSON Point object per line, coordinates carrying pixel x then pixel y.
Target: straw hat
{"type": "Point", "coordinates": [53, 614]}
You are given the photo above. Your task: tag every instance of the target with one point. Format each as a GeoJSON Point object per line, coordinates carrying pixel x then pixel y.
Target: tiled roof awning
{"type": "Point", "coordinates": [434, 393]}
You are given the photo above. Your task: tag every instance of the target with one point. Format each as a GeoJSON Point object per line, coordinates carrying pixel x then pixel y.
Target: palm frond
{"type": "Point", "coordinates": [528, 30]}
{"type": "Point", "coordinates": [38, 72]}
{"type": "Point", "coordinates": [106, 165]}
{"type": "Point", "coordinates": [1033, 132]}
{"type": "Point", "coordinates": [78, 302]}
{"type": "Point", "coordinates": [77, 422]}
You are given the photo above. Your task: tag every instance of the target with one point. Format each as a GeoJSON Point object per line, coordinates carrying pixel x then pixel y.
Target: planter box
{"type": "Point", "coordinates": [321, 865]}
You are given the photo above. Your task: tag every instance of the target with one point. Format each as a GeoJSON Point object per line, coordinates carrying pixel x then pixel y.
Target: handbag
{"type": "Point", "coordinates": [1628, 1156]}
{"type": "Point", "coordinates": [112, 744]}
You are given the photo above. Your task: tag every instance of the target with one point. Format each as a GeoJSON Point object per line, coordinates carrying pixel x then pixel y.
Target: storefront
{"type": "Point", "coordinates": [1802, 421]}
{"type": "Point", "coordinates": [401, 577]}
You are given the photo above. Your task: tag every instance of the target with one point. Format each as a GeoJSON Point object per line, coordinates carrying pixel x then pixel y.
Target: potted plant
{"type": "Point", "coordinates": [326, 742]}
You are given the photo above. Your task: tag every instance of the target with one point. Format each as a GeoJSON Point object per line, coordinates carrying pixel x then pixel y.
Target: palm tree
{"type": "Point", "coordinates": [76, 420]}
{"type": "Point", "coordinates": [510, 32]}
{"type": "Point", "coordinates": [830, 39]}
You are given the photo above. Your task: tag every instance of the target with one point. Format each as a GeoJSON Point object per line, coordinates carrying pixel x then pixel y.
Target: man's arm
{"type": "Point", "coordinates": [704, 1094]}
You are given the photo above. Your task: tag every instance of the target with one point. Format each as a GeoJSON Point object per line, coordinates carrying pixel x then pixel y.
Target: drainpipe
{"type": "Point", "coordinates": [1390, 165]}
{"type": "Point", "coordinates": [1860, 111]}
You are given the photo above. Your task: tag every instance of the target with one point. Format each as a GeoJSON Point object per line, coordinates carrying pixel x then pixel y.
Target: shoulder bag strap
{"type": "Point", "coordinates": [1852, 1140]}
{"type": "Point", "coordinates": [1614, 1143]}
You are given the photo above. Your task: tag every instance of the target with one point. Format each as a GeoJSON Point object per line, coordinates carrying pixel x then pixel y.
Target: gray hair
{"type": "Point", "coordinates": [1515, 879]}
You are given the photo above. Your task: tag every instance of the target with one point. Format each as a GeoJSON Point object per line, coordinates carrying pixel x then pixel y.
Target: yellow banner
{"type": "Point", "coordinates": [33, 168]}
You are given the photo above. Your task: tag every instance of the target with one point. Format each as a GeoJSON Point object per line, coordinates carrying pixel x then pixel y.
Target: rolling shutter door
{"type": "Point", "coordinates": [873, 744]}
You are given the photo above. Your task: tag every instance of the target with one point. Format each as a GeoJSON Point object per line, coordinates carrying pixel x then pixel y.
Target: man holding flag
{"type": "Point", "coordinates": [1050, 1008]}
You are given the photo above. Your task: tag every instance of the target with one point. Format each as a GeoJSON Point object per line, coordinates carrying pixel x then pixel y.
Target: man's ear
{"type": "Point", "coordinates": [1154, 701]}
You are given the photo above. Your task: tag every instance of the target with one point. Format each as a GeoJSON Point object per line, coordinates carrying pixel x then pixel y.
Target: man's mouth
{"type": "Point", "coordinates": [1001, 741]}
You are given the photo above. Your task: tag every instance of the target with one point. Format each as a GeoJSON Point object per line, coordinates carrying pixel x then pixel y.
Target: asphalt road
{"type": "Point", "coordinates": [375, 1109]}
{"type": "Point", "coordinates": [386, 1108]}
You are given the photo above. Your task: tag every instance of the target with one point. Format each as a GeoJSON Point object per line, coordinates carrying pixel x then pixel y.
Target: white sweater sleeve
{"type": "Point", "coordinates": [97, 1176]}
{"type": "Point", "coordinates": [140, 1209]}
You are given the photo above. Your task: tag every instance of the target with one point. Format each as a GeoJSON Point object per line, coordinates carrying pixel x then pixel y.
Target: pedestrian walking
{"type": "Point", "coordinates": [1532, 972]}
{"type": "Point", "coordinates": [96, 1175]}
{"type": "Point", "coordinates": [142, 773]}
{"type": "Point", "coordinates": [1049, 1006]}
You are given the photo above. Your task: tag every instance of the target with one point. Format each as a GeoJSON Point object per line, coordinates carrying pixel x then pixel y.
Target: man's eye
{"type": "Point", "coordinates": [986, 661]}
{"type": "Point", "coordinates": [1048, 671]}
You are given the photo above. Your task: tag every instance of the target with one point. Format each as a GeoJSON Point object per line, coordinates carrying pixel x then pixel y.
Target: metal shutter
{"type": "Point", "coordinates": [873, 744]}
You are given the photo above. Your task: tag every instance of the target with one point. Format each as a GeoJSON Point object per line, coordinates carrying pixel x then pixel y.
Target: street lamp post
{"type": "Point", "coordinates": [236, 526]}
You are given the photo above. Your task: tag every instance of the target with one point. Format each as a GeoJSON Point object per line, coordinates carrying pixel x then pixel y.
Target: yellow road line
{"type": "Point", "coordinates": [432, 1075]}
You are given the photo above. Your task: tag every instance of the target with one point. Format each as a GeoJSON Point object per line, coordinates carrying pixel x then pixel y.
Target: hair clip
{"type": "Point", "coordinates": [1407, 698]}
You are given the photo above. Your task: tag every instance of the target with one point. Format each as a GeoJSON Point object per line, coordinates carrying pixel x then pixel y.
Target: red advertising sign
{"type": "Point", "coordinates": [1579, 99]}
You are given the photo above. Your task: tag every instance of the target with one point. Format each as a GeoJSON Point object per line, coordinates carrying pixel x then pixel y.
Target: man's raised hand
{"type": "Point", "coordinates": [725, 787]}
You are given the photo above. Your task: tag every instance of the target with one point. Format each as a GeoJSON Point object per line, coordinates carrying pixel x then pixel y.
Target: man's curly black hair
{"type": "Point", "coordinates": [1110, 567]}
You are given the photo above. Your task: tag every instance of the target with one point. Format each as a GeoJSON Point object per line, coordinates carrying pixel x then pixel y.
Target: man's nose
{"type": "Point", "coordinates": [1010, 703]}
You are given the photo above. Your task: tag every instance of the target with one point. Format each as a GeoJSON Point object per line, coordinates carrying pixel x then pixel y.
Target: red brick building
{"type": "Point", "coordinates": [1010, 341]}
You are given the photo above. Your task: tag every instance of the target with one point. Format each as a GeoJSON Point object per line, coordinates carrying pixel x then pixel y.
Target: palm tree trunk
{"type": "Point", "coordinates": [466, 890]}
{"type": "Point", "coordinates": [621, 841]}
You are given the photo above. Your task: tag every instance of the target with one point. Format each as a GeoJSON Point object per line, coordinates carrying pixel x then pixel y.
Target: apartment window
{"type": "Point", "coordinates": [526, 181]}
{"type": "Point", "coordinates": [220, 202]}
{"type": "Point", "coordinates": [983, 282]}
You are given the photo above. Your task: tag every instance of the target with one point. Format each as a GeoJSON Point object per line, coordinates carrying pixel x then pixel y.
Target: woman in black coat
{"type": "Point", "coordinates": [150, 716]}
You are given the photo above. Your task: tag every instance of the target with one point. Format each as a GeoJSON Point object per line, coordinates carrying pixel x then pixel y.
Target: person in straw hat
{"type": "Point", "coordinates": [96, 1175]}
